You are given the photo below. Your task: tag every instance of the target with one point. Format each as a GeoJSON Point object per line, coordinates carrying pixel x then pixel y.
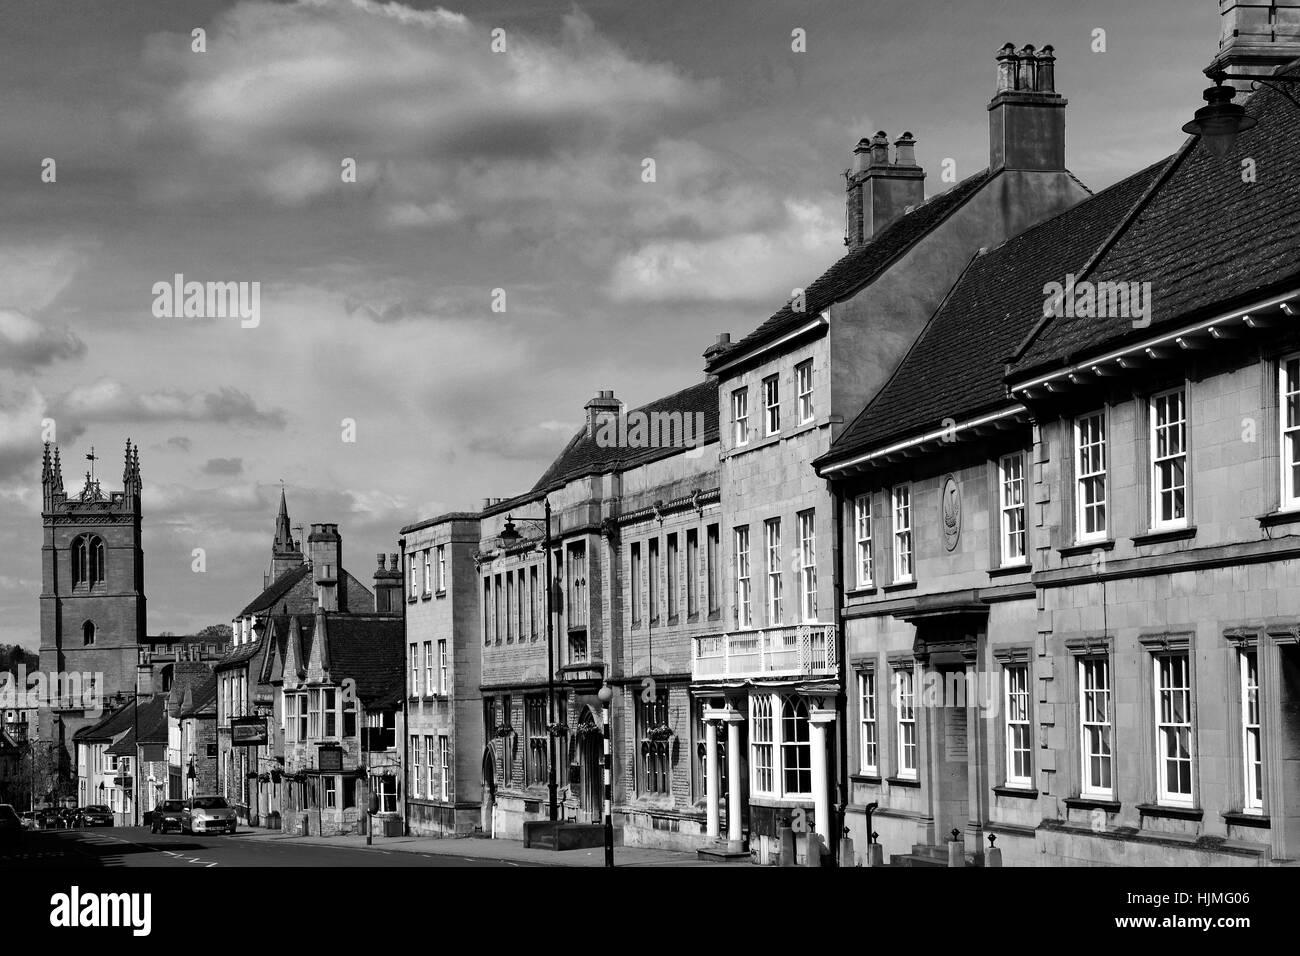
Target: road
{"type": "Point", "coordinates": [131, 847]}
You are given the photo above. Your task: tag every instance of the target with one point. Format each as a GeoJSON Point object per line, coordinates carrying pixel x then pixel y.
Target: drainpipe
{"type": "Point", "coordinates": [841, 643]}
{"type": "Point", "coordinates": [406, 705]}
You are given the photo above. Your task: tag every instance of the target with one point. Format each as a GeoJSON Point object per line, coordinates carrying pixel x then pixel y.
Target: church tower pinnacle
{"type": "Point", "coordinates": [286, 553]}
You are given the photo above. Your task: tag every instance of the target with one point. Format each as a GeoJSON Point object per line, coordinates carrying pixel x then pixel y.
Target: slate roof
{"type": "Point", "coordinates": [858, 267]}
{"type": "Point", "coordinates": [370, 650]}
{"type": "Point", "coordinates": [203, 699]}
{"type": "Point", "coordinates": [276, 590]}
{"type": "Point", "coordinates": [1205, 240]}
{"type": "Point", "coordinates": [955, 367]}
{"type": "Point", "coordinates": [584, 454]}
{"type": "Point", "coordinates": [109, 726]}
{"type": "Point", "coordinates": [151, 725]}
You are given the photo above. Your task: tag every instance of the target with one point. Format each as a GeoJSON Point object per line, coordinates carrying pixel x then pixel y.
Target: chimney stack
{"type": "Point", "coordinates": [600, 408]}
{"type": "Point", "coordinates": [326, 550]}
{"type": "Point", "coordinates": [388, 586]}
{"type": "Point", "coordinates": [879, 192]}
{"type": "Point", "coordinates": [1027, 115]}
{"type": "Point", "coordinates": [1256, 38]}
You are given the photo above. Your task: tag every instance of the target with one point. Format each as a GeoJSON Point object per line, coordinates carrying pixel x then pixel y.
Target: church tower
{"type": "Point", "coordinates": [92, 594]}
{"type": "Point", "coordinates": [286, 553]}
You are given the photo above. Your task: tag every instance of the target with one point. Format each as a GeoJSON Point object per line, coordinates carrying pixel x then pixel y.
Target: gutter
{"type": "Point", "coordinates": [916, 441]}
{"type": "Point", "coordinates": [823, 319]}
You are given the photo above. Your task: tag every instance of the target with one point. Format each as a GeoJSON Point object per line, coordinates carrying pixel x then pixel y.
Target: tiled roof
{"type": "Point", "coordinates": [584, 455]}
{"type": "Point", "coordinates": [955, 368]}
{"type": "Point", "coordinates": [858, 267]}
{"type": "Point", "coordinates": [371, 651]}
{"type": "Point", "coordinates": [204, 699]}
{"type": "Point", "coordinates": [109, 726]}
{"type": "Point", "coordinates": [278, 589]}
{"type": "Point", "coordinates": [1205, 239]}
{"type": "Point", "coordinates": [151, 727]}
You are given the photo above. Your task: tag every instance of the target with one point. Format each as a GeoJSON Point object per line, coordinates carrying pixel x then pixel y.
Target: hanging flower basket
{"type": "Point", "coordinates": [263, 778]}
{"type": "Point", "coordinates": [505, 730]}
{"type": "Point", "coordinates": [557, 730]}
{"type": "Point", "coordinates": [587, 726]}
{"type": "Point", "coordinates": [251, 775]}
{"type": "Point", "coordinates": [659, 733]}
{"type": "Point", "coordinates": [276, 774]}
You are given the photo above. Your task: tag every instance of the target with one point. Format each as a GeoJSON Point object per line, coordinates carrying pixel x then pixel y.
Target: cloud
{"type": "Point", "coordinates": [108, 400]}
{"type": "Point", "coordinates": [754, 266]}
{"type": "Point", "coordinates": [286, 91]}
{"type": "Point", "coordinates": [26, 344]}
{"type": "Point", "coordinates": [33, 274]}
{"type": "Point", "coordinates": [179, 442]}
{"type": "Point", "coordinates": [223, 466]}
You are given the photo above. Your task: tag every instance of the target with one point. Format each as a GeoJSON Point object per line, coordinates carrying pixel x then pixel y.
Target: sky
{"type": "Point", "coordinates": [500, 255]}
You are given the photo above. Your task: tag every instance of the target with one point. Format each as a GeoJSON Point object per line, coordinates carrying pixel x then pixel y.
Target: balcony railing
{"type": "Point", "coordinates": [785, 650]}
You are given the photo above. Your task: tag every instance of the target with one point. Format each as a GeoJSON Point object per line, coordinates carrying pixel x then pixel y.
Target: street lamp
{"type": "Point", "coordinates": [1221, 120]}
{"type": "Point", "coordinates": [605, 695]}
{"type": "Point", "coordinates": [510, 536]}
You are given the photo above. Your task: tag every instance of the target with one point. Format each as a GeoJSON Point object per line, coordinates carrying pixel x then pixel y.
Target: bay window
{"type": "Point", "coordinates": [780, 745]}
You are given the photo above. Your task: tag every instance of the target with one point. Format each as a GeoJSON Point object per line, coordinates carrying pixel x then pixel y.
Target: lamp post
{"type": "Point", "coordinates": [1221, 120]}
{"type": "Point", "coordinates": [605, 695]}
{"type": "Point", "coordinates": [510, 535]}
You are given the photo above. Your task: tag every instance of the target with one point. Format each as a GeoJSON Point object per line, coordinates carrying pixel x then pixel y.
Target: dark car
{"type": "Point", "coordinates": [11, 826]}
{"type": "Point", "coordinates": [167, 816]}
{"type": "Point", "coordinates": [208, 815]}
{"type": "Point", "coordinates": [95, 815]}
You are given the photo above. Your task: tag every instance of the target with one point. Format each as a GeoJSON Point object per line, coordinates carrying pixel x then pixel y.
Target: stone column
{"type": "Point", "coordinates": [734, 812]}
{"type": "Point", "coordinates": [820, 719]}
{"type": "Point", "coordinates": [714, 780]}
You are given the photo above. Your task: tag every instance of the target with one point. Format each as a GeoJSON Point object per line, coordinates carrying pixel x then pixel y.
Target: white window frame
{"type": "Point", "coordinates": [415, 670]}
{"type": "Point", "coordinates": [803, 375]}
{"type": "Point", "coordinates": [902, 545]}
{"type": "Point", "coordinates": [868, 725]}
{"type": "Point", "coordinates": [1252, 736]}
{"type": "Point", "coordinates": [740, 416]}
{"type": "Point", "coordinates": [866, 563]}
{"type": "Point", "coordinates": [442, 667]}
{"type": "Point", "coordinates": [1019, 729]}
{"type": "Point", "coordinates": [428, 571]}
{"type": "Point", "coordinates": [1011, 507]}
{"type": "Point", "coordinates": [1169, 686]}
{"type": "Point", "coordinates": [1088, 476]}
{"type": "Point", "coordinates": [773, 747]}
{"type": "Point", "coordinates": [772, 542]}
{"type": "Point", "coordinates": [442, 568]}
{"type": "Point", "coordinates": [1102, 696]}
{"type": "Point", "coordinates": [444, 764]}
{"type": "Point", "coordinates": [906, 744]}
{"type": "Point", "coordinates": [744, 586]}
{"type": "Point", "coordinates": [1173, 428]}
{"type": "Point", "coordinates": [1289, 435]}
{"type": "Point", "coordinates": [772, 405]}
{"type": "Point", "coordinates": [412, 578]}
{"type": "Point", "coordinates": [417, 766]}
{"type": "Point", "coordinates": [808, 565]}
{"type": "Point", "coordinates": [428, 669]}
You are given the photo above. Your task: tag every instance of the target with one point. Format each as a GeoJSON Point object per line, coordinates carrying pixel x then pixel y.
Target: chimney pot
{"type": "Point", "coordinates": [1047, 70]}
{"type": "Point", "coordinates": [603, 406]}
{"type": "Point", "coordinates": [905, 150]}
{"type": "Point", "coordinates": [379, 558]}
{"type": "Point", "coordinates": [1028, 79]}
{"type": "Point", "coordinates": [393, 562]}
{"type": "Point", "coordinates": [1007, 68]}
{"type": "Point", "coordinates": [880, 149]}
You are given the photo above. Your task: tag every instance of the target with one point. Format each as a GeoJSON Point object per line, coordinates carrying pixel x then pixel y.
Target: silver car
{"type": "Point", "coordinates": [208, 815]}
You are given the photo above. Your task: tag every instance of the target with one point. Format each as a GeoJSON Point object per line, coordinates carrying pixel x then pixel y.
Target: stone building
{"type": "Point", "coordinates": [192, 737]}
{"type": "Point", "coordinates": [444, 735]}
{"type": "Point", "coordinates": [785, 391]}
{"type": "Point", "coordinates": [124, 754]}
{"type": "Point", "coordinates": [92, 597]}
{"type": "Point", "coordinates": [1082, 474]}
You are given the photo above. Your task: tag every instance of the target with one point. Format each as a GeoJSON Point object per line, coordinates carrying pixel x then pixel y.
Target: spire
{"type": "Point", "coordinates": [131, 470]}
{"type": "Point", "coordinates": [58, 470]}
{"type": "Point", "coordinates": [47, 473]}
{"type": "Point", "coordinates": [283, 536]}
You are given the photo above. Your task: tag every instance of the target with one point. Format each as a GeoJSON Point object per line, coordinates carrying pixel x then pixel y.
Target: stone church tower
{"type": "Point", "coordinates": [92, 594]}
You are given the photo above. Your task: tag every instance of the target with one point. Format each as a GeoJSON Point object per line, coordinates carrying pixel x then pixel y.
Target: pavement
{"type": "Point", "coordinates": [137, 847]}
{"type": "Point", "coordinates": [502, 851]}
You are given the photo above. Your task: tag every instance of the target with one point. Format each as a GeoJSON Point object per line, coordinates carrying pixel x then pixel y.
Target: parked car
{"type": "Point", "coordinates": [167, 815]}
{"type": "Point", "coordinates": [208, 814]}
{"type": "Point", "coordinates": [95, 815]}
{"type": "Point", "coordinates": [11, 827]}
{"type": "Point", "coordinates": [30, 820]}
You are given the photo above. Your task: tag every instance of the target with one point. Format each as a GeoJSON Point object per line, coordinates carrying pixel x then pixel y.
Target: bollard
{"type": "Point", "coordinates": [846, 850]}
{"type": "Point", "coordinates": [875, 852]}
{"type": "Point", "coordinates": [813, 849]}
{"type": "Point", "coordinates": [787, 847]}
{"type": "Point", "coordinates": [994, 857]}
{"type": "Point", "coordinates": [956, 850]}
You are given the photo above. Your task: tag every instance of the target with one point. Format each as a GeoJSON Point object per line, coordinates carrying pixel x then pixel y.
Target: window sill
{"type": "Point", "coordinates": [426, 596]}
{"type": "Point", "coordinates": [1027, 793]}
{"type": "Point", "coordinates": [1173, 813]}
{"type": "Point", "coordinates": [1165, 535]}
{"type": "Point", "coordinates": [1086, 547]}
{"type": "Point", "coordinates": [715, 615]}
{"type": "Point", "coordinates": [1276, 518]}
{"type": "Point", "coordinates": [412, 600]}
{"type": "Point", "coordinates": [865, 591]}
{"type": "Point", "coordinates": [1092, 803]}
{"type": "Point", "coordinates": [865, 778]}
{"type": "Point", "coordinates": [914, 782]}
{"type": "Point", "coordinates": [1237, 818]}
{"type": "Point", "coordinates": [1007, 570]}
{"type": "Point", "coordinates": [900, 586]}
